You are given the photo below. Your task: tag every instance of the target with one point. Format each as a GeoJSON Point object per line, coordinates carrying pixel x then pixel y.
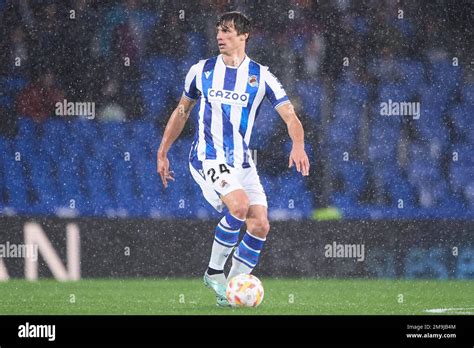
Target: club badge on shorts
{"type": "Point", "coordinates": [224, 183]}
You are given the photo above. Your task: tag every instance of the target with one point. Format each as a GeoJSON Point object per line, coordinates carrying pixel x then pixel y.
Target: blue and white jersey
{"type": "Point", "coordinates": [230, 98]}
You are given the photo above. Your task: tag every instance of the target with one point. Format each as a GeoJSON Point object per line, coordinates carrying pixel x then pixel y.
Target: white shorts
{"type": "Point", "coordinates": [218, 179]}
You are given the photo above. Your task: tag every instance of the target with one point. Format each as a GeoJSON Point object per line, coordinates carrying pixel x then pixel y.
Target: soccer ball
{"type": "Point", "coordinates": [244, 290]}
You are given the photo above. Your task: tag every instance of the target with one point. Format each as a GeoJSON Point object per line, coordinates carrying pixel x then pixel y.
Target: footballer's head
{"type": "Point", "coordinates": [233, 31]}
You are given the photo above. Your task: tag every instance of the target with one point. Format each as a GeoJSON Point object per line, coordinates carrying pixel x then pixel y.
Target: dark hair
{"type": "Point", "coordinates": [240, 21]}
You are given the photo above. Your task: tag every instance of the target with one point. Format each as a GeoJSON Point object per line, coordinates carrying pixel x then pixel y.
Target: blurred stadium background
{"type": "Point", "coordinates": [395, 177]}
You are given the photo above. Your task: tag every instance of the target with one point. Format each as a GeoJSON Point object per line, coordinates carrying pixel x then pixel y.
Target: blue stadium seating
{"type": "Point", "coordinates": [195, 45]}
{"type": "Point", "coordinates": [352, 93]}
{"type": "Point", "coordinates": [385, 127]}
{"type": "Point", "coordinates": [344, 128]}
{"type": "Point", "coordinates": [159, 69]}
{"type": "Point", "coordinates": [349, 207]}
{"type": "Point", "coordinates": [393, 91]}
{"type": "Point", "coordinates": [401, 191]}
{"type": "Point", "coordinates": [70, 179]}
{"type": "Point", "coordinates": [148, 187]}
{"type": "Point", "coordinates": [469, 197]}
{"type": "Point", "coordinates": [97, 187]}
{"type": "Point", "coordinates": [288, 197]}
{"type": "Point", "coordinates": [142, 131]}
{"type": "Point", "coordinates": [4, 150]}
{"type": "Point", "coordinates": [467, 93]}
{"type": "Point", "coordinates": [461, 117]}
{"type": "Point", "coordinates": [461, 171]}
{"type": "Point", "coordinates": [16, 184]}
{"type": "Point", "coordinates": [9, 89]}
{"type": "Point", "coordinates": [44, 185]}
{"type": "Point", "coordinates": [7, 101]}
{"type": "Point", "coordinates": [361, 25]}
{"type": "Point", "coordinates": [26, 127]}
{"type": "Point", "coordinates": [414, 74]}
{"type": "Point", "coordinates": [431, 128]}
{"type": "Point", "coordinates": [265, 124]}
{"type": "Point", "coordinates": [178, 196]}
{"type": "Point", "coordinates": [434, 100]}
{"type": "Point", "coordinates": [470, 137]}
{"type": "Point", "coordinates": [148, 19]}
{"type": "Point", "coordinates": [355, 178]}
{"type": "Point", "coordinates": [298, 44]}
{"type": "Point", "coordinates": [160, 80]}
{"type": "Point", "coordinates": [13, 84]}
{"type": "Point", "coordinates": [154, 94]}
{"type": "Point", "coordinates": [311, 94]}
{"type": "Point", "coordinates": [95, 168]}
{"type": "Point", "coordinates": [109, 169]}
{"type": "Point", "coordinates": [404, 26]}
{"type": "Point", "coordinates": [420, 171]}
{"type": "Point", "coordinates": [446, 75]}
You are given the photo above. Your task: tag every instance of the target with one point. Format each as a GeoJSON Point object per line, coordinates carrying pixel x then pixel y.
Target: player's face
{"type": "Point", "coordinates": [228, 40]}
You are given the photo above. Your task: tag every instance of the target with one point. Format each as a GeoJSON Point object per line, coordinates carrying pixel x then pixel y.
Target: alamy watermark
{"type": "Point", "coordinates": [336, 250]}
{"type": "Point", "coordinates": [10, 250]}
{"type": "Point", "coordinates": [393, 108]}
{"type": "Point", "coordinates": [67, 108]}
{"type": "Point", "coordinates": [28, 330]}
{"type": "Point", "coordinates": [249, 155]}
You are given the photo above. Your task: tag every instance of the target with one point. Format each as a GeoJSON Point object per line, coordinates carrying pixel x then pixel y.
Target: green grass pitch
{"type": "Point", "coordinates": [282, 296]}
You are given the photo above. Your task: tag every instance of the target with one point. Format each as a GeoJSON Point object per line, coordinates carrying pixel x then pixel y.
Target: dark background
{"type": "Point", "coordinates": [294, 249]}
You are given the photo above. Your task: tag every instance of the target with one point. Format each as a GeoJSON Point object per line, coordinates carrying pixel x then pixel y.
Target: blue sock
{"type": "Point", "coordinates": [246, 256]}
{"type": "Point", "coordinates": [226, 237]}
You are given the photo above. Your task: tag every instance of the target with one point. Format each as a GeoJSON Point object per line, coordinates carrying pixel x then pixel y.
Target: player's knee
{"type": "Point", "coordinates": [258, 227]}
{"type": "Point", "coordinates": [240, 210]}
{"type": "Point", "coordinates": [238, 204]}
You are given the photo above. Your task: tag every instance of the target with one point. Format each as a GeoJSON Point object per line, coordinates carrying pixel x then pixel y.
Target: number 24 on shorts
{"type": "Point", "coordinates": [212, 172]}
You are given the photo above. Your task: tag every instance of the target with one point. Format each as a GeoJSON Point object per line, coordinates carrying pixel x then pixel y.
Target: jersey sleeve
{"type": "Point", "coordinates": [274, 90]}
{"type": "Point", "coordinates": [190, 90]}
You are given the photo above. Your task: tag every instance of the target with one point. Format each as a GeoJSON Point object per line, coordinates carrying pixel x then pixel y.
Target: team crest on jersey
{"type": "Point", "coordinates": [253, 82]}
{"type": "Point", "coordinates": [207, 73]}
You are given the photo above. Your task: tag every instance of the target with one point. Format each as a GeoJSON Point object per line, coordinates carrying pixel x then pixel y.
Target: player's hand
{"type": "Point", "coordinates": [299, 158]}
{"type": "Point", "coordinates": [164, 170]}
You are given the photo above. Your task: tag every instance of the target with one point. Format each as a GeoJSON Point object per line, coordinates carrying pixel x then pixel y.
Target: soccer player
{"type": "Point", "coordinates": [230, 89]}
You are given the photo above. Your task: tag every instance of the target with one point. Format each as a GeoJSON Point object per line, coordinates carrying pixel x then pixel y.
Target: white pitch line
{"type": "Point", "coordinates": [451, 310]}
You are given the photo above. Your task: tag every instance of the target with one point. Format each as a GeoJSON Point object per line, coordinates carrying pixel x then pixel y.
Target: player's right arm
{"type": "Point", "coordinates": [173, 129]}
{"type": "Point", "coordinates": [176, 123]}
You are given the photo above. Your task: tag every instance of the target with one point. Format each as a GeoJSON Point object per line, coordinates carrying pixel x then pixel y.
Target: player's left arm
{"type": "Point", "coordinates": [298, 155]}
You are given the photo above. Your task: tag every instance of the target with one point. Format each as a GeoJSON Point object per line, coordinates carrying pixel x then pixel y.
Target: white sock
{"type": "Point", "coordinates": [219, 255]}
{"type": "Point", "coordinates": [220, 277]}
{"type": "Point", "coordinates": [238, 268]}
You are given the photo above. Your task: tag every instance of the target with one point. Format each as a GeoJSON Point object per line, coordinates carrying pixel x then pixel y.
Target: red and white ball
{"type": "Point", "coordinates": [245, 290]}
